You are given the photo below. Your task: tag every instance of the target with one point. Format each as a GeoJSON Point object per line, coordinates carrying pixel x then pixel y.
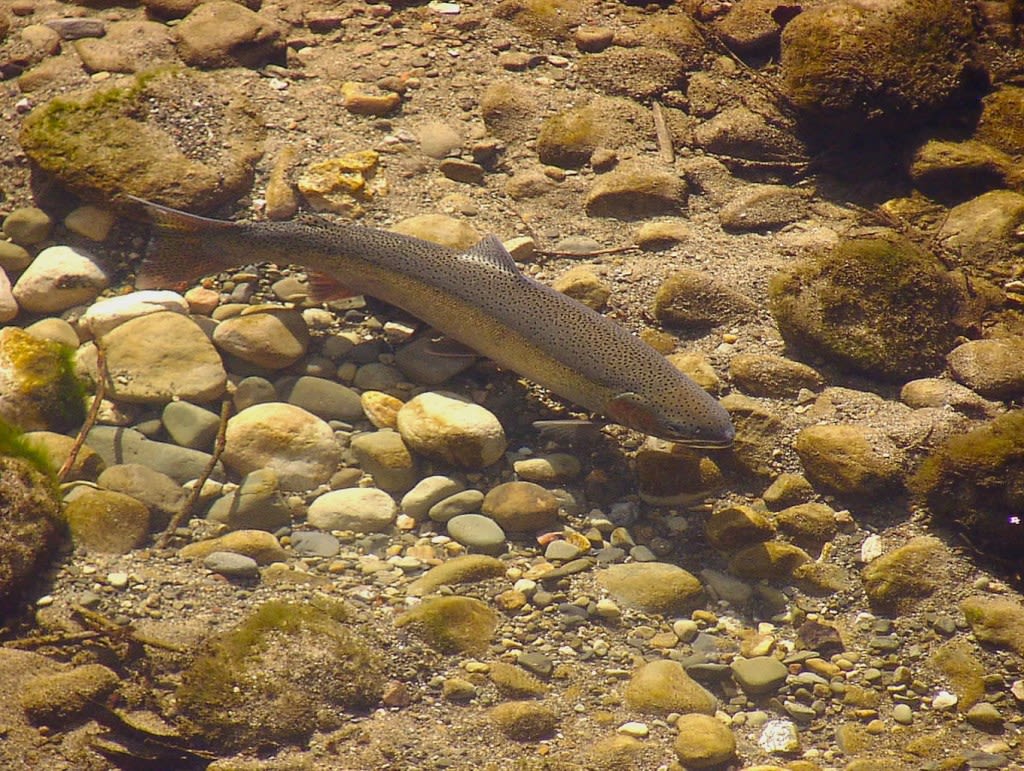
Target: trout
{"type": "Point", "coordinates": [478, 297]}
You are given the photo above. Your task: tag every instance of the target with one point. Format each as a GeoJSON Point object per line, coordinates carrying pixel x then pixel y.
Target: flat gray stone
{"type": "Point", "coordinates": [231, 565]}
{"type": "Point", "coordinates": [477, 532]}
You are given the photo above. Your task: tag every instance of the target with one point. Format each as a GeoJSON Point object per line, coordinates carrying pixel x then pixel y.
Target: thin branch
{"type": "Point", "coordinates": [90, 418]}
{"type": "Point", "coordinates": [197, 490]}
{"type": "Point", "coordinates": [666, 150]}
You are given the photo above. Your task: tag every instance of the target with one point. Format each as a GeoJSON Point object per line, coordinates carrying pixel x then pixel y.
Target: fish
{"type": "Point", "coordinates": [478, 297]}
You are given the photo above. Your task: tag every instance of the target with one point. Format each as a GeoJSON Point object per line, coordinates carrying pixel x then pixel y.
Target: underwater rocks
{"type": "Point", "coordinates": [877, 305]}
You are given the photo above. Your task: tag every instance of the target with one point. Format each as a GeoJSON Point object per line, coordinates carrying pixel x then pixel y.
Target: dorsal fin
{"type": "Point", "coordinates": [490, 250]}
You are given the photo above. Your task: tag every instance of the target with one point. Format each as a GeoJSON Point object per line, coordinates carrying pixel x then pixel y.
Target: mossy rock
{"type": "Point", "coordinates": [283, 673]}
{"type": "Point", "coordinates": [1000, 124]}
{"type": "Point", "coordinates": [452, 624]}
{"type": "Point", "coordinates": [102, 143]}
{"type": "Point", "coordinates": [975, 481]}
{"type": "Point", "coordinates": [29, 523]}
{"type": "Point", "coordinates": [38, 387]}
{"type": "Point", "coordinates": [849, 65]}
{"type": "Point", "coordinates": [568, 138]}
{"type": "Point", "coordinates": [524, 721]}
{"type": "Point", "coordinates": [62, 698]}
{"type": "Point", "coordinates": [546, 19]}
{"type": "Point", "coordinates": [876, 305]}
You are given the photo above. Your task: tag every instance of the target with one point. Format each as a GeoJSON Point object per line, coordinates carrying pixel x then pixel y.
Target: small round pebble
{"type": "Point", "coordinates": [903, 714]}
{"type": "Point", "coordinates": [231, 564]}
{"type": "Point", "coordinates": [477, 532]}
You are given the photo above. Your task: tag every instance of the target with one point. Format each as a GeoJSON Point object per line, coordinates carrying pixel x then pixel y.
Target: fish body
{"type": "Point", "coordinates": [478, 297]}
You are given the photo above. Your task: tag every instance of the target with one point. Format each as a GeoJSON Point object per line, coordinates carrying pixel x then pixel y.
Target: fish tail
{"type": "Point", "coordinates": [182, 247]}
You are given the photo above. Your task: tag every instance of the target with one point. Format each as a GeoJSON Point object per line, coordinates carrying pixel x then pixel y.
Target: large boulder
{"type": "Point", "coordinates": [850, 64]}
{"type": "Point", "coordinates": [878, 305]}
{"type": "Point", "coordinates": [101, 143]}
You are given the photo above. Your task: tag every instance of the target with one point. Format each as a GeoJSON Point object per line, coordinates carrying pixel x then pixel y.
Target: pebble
{"type": "Point", "coordinates": [273, 339]}
{"type": "Point", "coordinates": [190, 425]}
{"type": "Point", "coordinates": [703, 741]}
{"type": "Point", "coordinates": [427, 492]}
{"type": "Point", "coordinates": [361, 509]}
{"type": "Point", "coordinates": [297, 445]}
{"type": "Point", "coordinates": [477, 532]}
{"type": "Point", "coordinates": [439, 139]}
{"type": "Point", "coordinates": [253, 390]}
{"type": "Point", "coordinates": [548, 469]}
{"type": "Point", "coordinates": [27, 226]}
{"type": "Point", "coordinates": [903, 714]}
{"type": "Point", "coordinates": [231, 565]}
{"type": "Point", "coordinates": [944, 700]}
{"type": "Point", "coordinates": [8, 305]}
{"type": "Point", "coordinates": [59, 278]}
{"type": "Point", "coordinates": [384, 456]}
{"type": "Point", "coordinates": [125, 445]}
{"type": "Point", "coordinates": [309, 543]}
{"type": "Point", "coordinates": [163, 496]}
{"type": "Point", "coordinates": [256, 504]}
{"type": "Point", "coordinates": [258, 544]}
{"type": "Point", "coordinates": [521, 506]}
{"type": "Point", "coordinates": [993, 368]}
{"type": "Point", "coordinates": [457, 570]}
{"type": "Point", "coordinates": [117, 579]}
{"type": "Point", "coordinates": [537, 663]}
{"type": "Point", "coordinates": [153, 373]}
{"type": "Point", "coordinates": [779, 737]}
{"type": "Point", "coordinates": [90, 222]}
{"type": "Point", "coordinates": [449, 428]}
{"type": "Point", "coordinates": [662, 686]}
{"type": "Point", "coordinates": [464, 502]}
{"type": "Point", "coordinates": [381, 408]}
{"type": "Point", "coordinates": [108, 522]}
{"type": "Point", "coordinates": [106, 314]}
{"type": "Point", "coordinates": [634, 728]}
{"type": "Point", "coordinates": [654, 587]}
{"type": "Point", "coordinates": [439, 229]}
{"type": "Point", "coordinates": [561, 551]}
{"type": "Point", "coordinates": [324, 398]}
{"type": "Point", "coordinates": [225, 34]}
{"type": "Point", "coordinates": [760, 674]}
{"type": "Point", "coordinates": [14, 258]}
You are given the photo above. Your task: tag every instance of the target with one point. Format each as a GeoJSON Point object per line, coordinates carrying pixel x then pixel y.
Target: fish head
{"type": "Point", "coordinates": [693, 419]}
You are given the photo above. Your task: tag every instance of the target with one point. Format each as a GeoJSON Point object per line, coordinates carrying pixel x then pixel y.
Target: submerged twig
{"type": "Point", "coordinates": [90, 418]}
{"type": "Point", "coordinates": [197, 490]}
{"type": "Point", "coordinates": [666, 150]}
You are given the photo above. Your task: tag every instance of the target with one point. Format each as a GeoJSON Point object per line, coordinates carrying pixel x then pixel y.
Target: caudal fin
{"type": "Point", "coordinates": [182, 247]}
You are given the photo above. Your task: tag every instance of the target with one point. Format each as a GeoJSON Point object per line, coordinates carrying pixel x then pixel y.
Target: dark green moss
{"type": "Point", "coordinates": [878, 305]}
{"type": "Point", "coordinates": [271, 679]}
{"type": "Point", "coordinates": [975, 482]}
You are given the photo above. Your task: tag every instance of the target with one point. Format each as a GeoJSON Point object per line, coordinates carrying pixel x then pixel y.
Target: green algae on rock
{"type": "Point", "coordinates": [877, 305]}
{"type": "Point", "coordinates": [852, 64]}
{"type": "Point", "coordinates": [38, 388]}
{"type": "Point", "coordinates": [452, 624]}
{"type": "Point", "coordinates": [975, 481]}
{"type": "Point", "coordinates": [280, 675]}
{"type": "Point", "coordinates": [101, 143]}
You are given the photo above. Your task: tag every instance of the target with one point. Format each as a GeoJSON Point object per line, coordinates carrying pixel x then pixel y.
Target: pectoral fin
{"type": "Point", "coordinates": [324, 288]}
{"type": "Point", "coordinates": [633, 411]}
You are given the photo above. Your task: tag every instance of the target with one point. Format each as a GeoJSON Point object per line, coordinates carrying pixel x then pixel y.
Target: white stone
{"type": "Point", "coordinates": [361, 509]}
{"type": "Point", "coordinates": [295, 443]}
{"type": "Point", "coordinates": [449, 428]}
{"type": "Point", "coordinates": [59, 278]}
{"type": "Point", "coordinates": [108, 313]}
{"type": "Point", "coordinates": [944, 700]}
{"type": "Point", "coordinates": [779, 736]}
{"type": "Point", "coordinates": [635, 729]}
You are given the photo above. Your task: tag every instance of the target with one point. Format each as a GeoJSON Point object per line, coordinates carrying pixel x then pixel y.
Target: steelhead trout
{"type": "Point", "coordinates": [478, 297]}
